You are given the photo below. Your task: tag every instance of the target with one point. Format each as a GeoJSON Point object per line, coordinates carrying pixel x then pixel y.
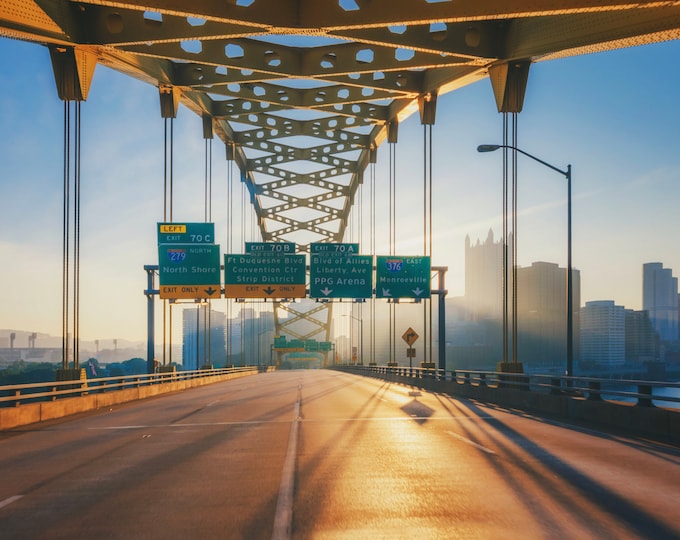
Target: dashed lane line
{"type": "Point", "coordinates": [471, 443]}
{"type": "Point", "coordinates": [10, 500]}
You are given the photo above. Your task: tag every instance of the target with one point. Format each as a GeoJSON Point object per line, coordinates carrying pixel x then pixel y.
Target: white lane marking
{"type": "Point", "coordinates": [10, 500]}
{"type": "Point", "coordinates": [472, 443]}
{"type": "Point", "coordinates": [193, 424]}
{"type": "Point", "coordinates": [283, 518]}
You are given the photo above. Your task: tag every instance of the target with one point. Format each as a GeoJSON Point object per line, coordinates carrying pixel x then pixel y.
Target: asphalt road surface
{"type": "Point", "coordinates": [324, 454]}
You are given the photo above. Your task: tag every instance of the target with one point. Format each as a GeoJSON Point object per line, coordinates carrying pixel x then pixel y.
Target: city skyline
{"type": "Point", "coordinates": [618, 132]}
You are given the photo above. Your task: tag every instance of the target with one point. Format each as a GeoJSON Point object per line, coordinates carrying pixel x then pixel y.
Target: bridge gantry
{"type": "Point", "coordinates": [303, 92]}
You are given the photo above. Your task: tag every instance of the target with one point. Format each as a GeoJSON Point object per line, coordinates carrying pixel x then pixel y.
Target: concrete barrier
{"type": "Point", "coordinates": [32, 413]}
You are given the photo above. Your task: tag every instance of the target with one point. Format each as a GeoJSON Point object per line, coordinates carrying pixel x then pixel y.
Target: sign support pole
{"type": "Point", "coordinates": [150, 316]}
{"type": "Point", "coordinates": [441, 315]}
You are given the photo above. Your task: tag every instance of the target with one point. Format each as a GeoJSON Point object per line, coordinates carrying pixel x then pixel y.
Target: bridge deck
{"type": "Point", "coordinates": [307, 454]}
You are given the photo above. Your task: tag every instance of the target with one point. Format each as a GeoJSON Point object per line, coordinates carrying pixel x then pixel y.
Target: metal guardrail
{"type": "Point", "coordinates": [17, 394]}
{"type": "Point", "coordinates": [642, 393]}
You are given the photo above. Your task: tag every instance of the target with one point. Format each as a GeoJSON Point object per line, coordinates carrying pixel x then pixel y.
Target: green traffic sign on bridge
{"type": "Point", "coordinates": [278, 248]}
{"type": "Point", "coordinates": [337, 272]}
{"type": "Point", "coordinates": [186, 233]}
{"type": "Point", "coordinates": [189, 271]}
{"type": "Point", "coordinates": [266, 275]}
{"type": "Point", "coordinates": [330, 248]}
{"type": "Point", "coordinates": [402, 277]}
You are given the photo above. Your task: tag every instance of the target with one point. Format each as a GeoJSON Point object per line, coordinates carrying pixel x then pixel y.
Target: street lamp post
{"type": "Point", "coordinates": [570, 284]}
{"type": "Point", "coordinates": [360, 322]}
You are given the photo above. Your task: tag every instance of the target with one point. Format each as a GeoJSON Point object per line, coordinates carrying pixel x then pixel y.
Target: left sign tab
{"type": "Point", "coordinates": [186, 233]}
{"type": "Point", "coordinates": [189, 271]}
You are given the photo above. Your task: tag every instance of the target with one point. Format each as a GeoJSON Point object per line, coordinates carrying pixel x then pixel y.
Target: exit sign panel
{"type": "Point", "coordinates": [264, 276]}
{"type": "Point", "coordinates": [402, 277]}
{"type": "Point", "coordinates": [189, 271]}
{"type": "Point", "coordinates": [337, 270]}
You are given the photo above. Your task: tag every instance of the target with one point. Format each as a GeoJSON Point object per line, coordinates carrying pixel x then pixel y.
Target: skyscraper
{"type": "Point", "coordinates": [542, 315]}
{"type": "Point", "coordinates": [642, 340]}
{"type": "Point", "coordinates": [203, 340]}
{"type": "Point", "coordinates": [660, 299]}
{"type": "Point", "coordinates": [541, 308]}
{"type": "Point", "coordinates": [483, 277]}
{"type": "Point", "coordinates": [603, 334]}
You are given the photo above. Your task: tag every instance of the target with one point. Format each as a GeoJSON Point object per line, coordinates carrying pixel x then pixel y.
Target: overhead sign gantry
{"type": "Point", "coordinates": [189, 268]}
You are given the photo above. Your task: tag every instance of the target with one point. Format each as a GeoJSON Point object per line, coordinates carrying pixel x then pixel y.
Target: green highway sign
{"type": "Point", "coordinates": [186, 233]}
{"type": "Point", "coordinates": [297, 344]}
{"type": "Point", "coordinates": [402, 277]}
{"type": "Point", "coordinates": [338, 275]}
{"type": "Point", "coordinates": [264, 276]}
{"type": "Point", "coordinates": [280, 248]}
{"type": "Point", "coordinates": [189, 271]}
{"type": "Point", "coordinates": [330, 249]}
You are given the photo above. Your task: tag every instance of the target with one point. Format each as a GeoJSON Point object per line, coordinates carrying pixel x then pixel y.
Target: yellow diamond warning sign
{"type": "Point", "coordinates": [410, 336]}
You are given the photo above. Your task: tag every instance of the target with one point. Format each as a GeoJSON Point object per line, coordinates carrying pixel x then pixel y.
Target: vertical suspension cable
{"type": "Point", "coordinates": [207, 214]}
{"type": "Point", "coordinates": [165, 219]}
{"type": "Point", "coordinates": [76, 239]}
{"type": "Point", "coordinates": [243, 241]}
{"type": "Point", "coordinates": [206, 334]}
{"type": "Point", "coordinates": [71, 280]}
{"type": "Point", "coordinates": [172, 149]}
{"type": "Point", "coordinates": [230, 242]}
{"type": "Point", "coordinates": [209, 323]}
{"type": "Point", "coordinates": [361, 305]}
{"type": "Point", "coordinates": [65, 238]}
{"type": "Point", "coordinates": [372, 251]}
{"type": "Point", "coordinates": [425, 146]}
{"type": "Point", "coordinates": [393, 243]}
{"type": "Point", "coordinates": [427, 234]}
{"type": "Point", "coordinates": [170, 203]}
{"type": "Point", "coordinates": [391, 250]}
{"type": "Point", "coordinates": [205, 181]}
{"type": "Point", "coordinates": [506, 240]}
{"type": "Point", "coordinates": [393, 197]}
{"type": "Point", "coordinates": [210, 181]}
{"type": "Point", "coordinates": [198, 326]}
{"type": "Point", "coordinates": [165, 170]}
{"type": "Point", "coordinates": [514, 242]}
{"type": "Point", "coordinates": [430, 181]}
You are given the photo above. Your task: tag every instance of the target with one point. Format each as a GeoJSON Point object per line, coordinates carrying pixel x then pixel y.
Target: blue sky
{"type": "Point", "coordinates": [614, 116]}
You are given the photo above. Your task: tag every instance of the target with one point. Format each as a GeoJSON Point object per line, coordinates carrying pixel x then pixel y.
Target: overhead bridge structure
{"type": "Point", "coordinates": [338, 74]}
{"type": "Point", "coordinates": [302, 92]}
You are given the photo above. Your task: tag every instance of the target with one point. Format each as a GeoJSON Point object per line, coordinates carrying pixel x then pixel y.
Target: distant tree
{"type": "Point", "coordinates": [21, 372]}
{"type": "Point", "coordinates": [115, 369]}
{"type": "Point", "coordinates": [134, 366]}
